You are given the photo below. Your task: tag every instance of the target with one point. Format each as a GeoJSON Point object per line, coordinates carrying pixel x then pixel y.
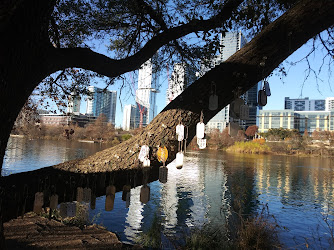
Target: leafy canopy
{"type": "Point", "coordinates": [124, 27]}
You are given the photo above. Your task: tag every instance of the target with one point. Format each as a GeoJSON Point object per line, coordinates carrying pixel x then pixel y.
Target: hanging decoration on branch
{"type": "Point", "coordinates": [244, 112]}
{"type": "Point", "coordinates": [162, 154]}
{"type": "Point", "coordinates": [144, 152]}
{"type": "Point", "coordinates": [53, 201]}
{"type": "Point", "coordinates": [239, 109]}
{"type": "Point", "coordinates": [182, 143]}
{"type": "Point", "coordinates": [180, 131]}
{"type": "Point", "coordinates": [38, 202]}
{"type": "Point", "coordinates": [235, 107]}
{"type": "Point", "coordinates": [179, 160]}
{"type": "Point", "coordinates": [144, 156]}
{"type": "Point", "coordinates": [267, 88]}
{"type": "Point", "coordinates": [200, 129]}
{"type": "Point", "coordinates": [264, 92]}
{"type": "Point", "coordinates": [185, 140]}
{"type": "Point", "coordinates": [213, 99]}
{"type": "Point", "coordinates": [262, 96]}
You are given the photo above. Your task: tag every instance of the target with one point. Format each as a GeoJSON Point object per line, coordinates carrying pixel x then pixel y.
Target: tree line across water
{"type": "Point", "coordinates": [99, 131]}
{"type": "Point", "coordinates": [277, 140]}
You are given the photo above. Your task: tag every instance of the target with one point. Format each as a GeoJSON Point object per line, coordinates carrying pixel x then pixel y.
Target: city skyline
{"type": "Point", "coordinates": [294, 83]}
{"type": "Point", "coordinates": [231, 43]}
{"type": "Point", "coordinates": [102, 102]}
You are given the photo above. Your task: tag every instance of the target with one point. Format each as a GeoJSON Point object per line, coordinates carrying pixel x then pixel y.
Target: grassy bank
{"type": "Point", "coordinates": [250, 147]}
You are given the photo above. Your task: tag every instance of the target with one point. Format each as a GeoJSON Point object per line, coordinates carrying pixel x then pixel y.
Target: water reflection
{"type": "Point", "coordinates": [24, 155]}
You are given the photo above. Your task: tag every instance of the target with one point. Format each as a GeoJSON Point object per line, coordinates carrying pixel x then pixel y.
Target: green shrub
{"type": "Point", "coordinates": [249, 147]}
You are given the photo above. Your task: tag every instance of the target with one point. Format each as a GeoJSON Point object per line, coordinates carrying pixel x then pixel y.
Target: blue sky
{"type": "Point", "coordinates": [293, 85]}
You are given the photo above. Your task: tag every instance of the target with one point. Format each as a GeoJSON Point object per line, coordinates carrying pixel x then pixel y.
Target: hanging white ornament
{"type": "Point", "coordinates": [200, 127]}
{"type": "Point", "coordinates": [266, 88]}
{"type": "Point", "coordinates": [146, 163]}
{"type": "Point", "coordinates": [244, 112]}
{"type": "Point", "coordinates": [180, 132]}
{"type": "Point", "coordinates": [201, 143]}
{"type": "Point", "coordinates": [179, 160]}
{"type": "Point", "coordinates": [144, 152]}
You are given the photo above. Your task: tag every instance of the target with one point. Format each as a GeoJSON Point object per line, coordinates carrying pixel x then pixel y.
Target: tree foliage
{"type": "Point", "coordinates": [251, 131]}
{"type": "Point", "coordinates": [280, 134]}
{"type": "Point", "coordinates": [101, 129]}
{"type": "Point", "coordinates": [133, 31]}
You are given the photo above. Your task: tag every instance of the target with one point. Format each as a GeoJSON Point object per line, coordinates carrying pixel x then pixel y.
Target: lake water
{"type": "Point", "coordinates": [298, 192]}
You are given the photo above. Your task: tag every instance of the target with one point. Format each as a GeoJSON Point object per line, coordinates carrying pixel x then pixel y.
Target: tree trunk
{"type": "Point", "coordinates": [23, 63]}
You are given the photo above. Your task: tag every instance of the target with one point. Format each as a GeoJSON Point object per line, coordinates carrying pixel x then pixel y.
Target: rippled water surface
{"type": "Point", "coordinates": [25, 155]}
{"type": "Point", "coordinates": [299, 192]}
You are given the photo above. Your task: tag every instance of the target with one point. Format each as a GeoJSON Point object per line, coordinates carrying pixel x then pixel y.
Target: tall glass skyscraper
{"type": "Point", "coordinates": [182, 77]}
{"type": "Point", "coordinates": [129, 117]}
{"type": "Point", "coordinates": [231, 43]}
{"type": "Point", "coordinates": [147, 90]}
{"type": "Point", "coordinates": [102, 102]}
{"type": "Point", "coordinates": [73, 105]}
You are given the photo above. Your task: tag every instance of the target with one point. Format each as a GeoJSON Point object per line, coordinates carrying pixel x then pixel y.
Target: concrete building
{"type": "Point", "coordinates": [329, 103]}
{"type": "Point", "coordinates": [102, 102]}
{"type": "Point", "coordinates": [231, 43]}
{"type": "Point", "coordinates": [129, 117]}
{"type": "Point", "coordinates": [304, 104]}
{"type": "Point", "coordinates": [147, 90]}
{"type": "Point", "coordinates": [183, 76]}
{"type": "Point", "coordinates": [65, 120]}
{"type": "Point", "coordinates": [290, 119]}
{"type": "Point", "coordinates": [73, 105]}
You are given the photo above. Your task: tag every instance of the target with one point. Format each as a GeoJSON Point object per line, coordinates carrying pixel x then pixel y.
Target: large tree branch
{"type": "Point", "coordinates": [90, 60]}
{"type": "Point", "coordinates": [272, 46]}
{"type": "Point", "coordinates": [242, 70]}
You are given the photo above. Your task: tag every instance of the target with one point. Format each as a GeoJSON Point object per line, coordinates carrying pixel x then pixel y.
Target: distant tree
{"type": "Point", "coordinates": [251, 131]}
{"type": "Point", "coordinates": [275, 134]}
{"type": "Point", "coordinates": [101, 129]}
{"type": "Point", "coordinates": [240, 136]}
{"type": "Point", "coordinates": [126, 137]}
{"type": "Point", "coordinates": [305, 133]}
{"type": "Point", "coordinates": [315, 135]}
{"type": "Point", "coordinates": [226, 139]}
